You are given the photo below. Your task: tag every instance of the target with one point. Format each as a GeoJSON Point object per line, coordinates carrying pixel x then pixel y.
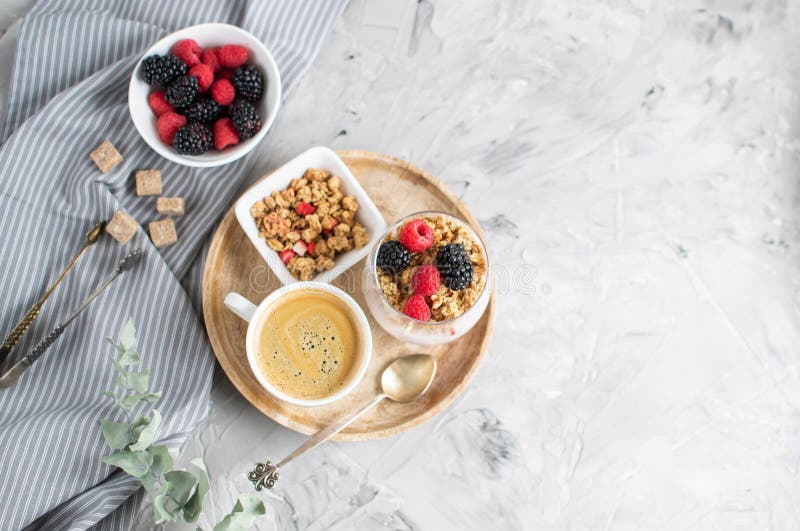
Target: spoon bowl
{"type": "Point", "coordinates": [407, 378]}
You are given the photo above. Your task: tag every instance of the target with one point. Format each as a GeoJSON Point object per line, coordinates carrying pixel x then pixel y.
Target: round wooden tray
{"type": "Point", "coordinates": [397, 188]}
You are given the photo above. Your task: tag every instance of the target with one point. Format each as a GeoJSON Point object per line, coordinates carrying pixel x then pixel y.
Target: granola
{"type": "Point", "coordinates": [309, 223]}
{"type": "Point", "coordinates": [445, 303]}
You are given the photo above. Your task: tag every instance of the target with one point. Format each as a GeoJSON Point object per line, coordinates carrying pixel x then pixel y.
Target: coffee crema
{"type": "Point", "coordinates": [308, 344]}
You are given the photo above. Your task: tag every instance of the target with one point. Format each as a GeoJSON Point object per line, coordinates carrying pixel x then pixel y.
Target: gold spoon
{"type": "Point", "coordinates": [22, 326]}
{"type": "Point", "coordinates": [404, 380]}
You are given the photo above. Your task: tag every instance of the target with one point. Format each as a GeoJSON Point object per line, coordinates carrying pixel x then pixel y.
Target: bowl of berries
{"type": "Point", "coordinates": [205, 95]}
{"type": "Point", "coordinates": [427, 279]}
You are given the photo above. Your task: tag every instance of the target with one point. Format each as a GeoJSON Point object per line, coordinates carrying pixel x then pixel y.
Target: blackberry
{"type": "Point", "coordinates": [248, 82]}
{"type": "Point", "coordinates": [193, 139]}
{"type": "Point", "coordinates": [203, 111]}
{"type": "Point", "coordinates": [245, 118]}
{"type": "Point", "coordinates": [182, 92]}
{"type": "Point", "coordinates": [454, 266]}
{"type": "Point", "coordinates": [392, 257]}
{"type": "Point", "coordinates": [161, 70]}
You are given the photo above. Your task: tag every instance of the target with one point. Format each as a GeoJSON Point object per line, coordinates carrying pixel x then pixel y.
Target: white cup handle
{"type": "Point", "coordinates": [240, 306]}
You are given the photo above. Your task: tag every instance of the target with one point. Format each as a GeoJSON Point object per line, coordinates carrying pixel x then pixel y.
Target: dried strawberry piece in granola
{"type": "Point", "coordinates": [304, 208]}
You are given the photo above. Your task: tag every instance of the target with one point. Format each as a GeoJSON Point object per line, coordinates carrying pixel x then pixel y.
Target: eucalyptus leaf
{"type": "Point", "coordinates": [129, 358]}
{"type": "Point", "coordinates": [122, 405]}
{"type": "Point", "coordinates": [118, 435]}
{"type": "Point", "coordinates": [178, 485]}
{"type": "Point", "coordinates": [162, 459]}
{"type": "Point", "coordinates": [244, 514]}
{"type": "Point", "coordinates": [132, 400]}
{"type": "Point", "coordinates": [149, 481]}
{"type": "Point", "coordinates": [165, 509]}
{"type": "Point", "coordinates": [119, 368]}
{"type": "Point", "coordinates": [137, 381]}
{"type": "Point", "coordinates": [135, 464]}
{"type": "Point", "coordinates": [119, 348]}
{"type": "Point", "coordinates": [127, 335]}
{"type": "Point", "coordinates": [148, 434]}
{"type": "Point", "coordinates": [193, 507]}
{"type": "Point", "coordinates": [140, 421]}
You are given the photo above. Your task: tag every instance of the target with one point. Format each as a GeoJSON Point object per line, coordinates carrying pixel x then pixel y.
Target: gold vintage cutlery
{"type": "Point", "coordinates": [404, 380]}
{"type": "Point", "coordinates": [11, 376]}
{"type": "Point", "coordinates": [22, 326]}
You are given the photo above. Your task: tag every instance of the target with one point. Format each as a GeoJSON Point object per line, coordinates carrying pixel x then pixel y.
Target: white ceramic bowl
{"type": "Point", "coordinates": [207, 35]}
{"type": "Point", "coordinates": [324, 159]}
{"type": "Point", "coordinates": [256, 314]}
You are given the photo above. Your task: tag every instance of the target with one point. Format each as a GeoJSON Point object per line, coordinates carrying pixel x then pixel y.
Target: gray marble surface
{"type": "Point", "coordinates": [635, 167]}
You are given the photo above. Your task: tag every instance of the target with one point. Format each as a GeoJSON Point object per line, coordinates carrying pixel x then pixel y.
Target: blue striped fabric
{"type": "Point", "coordinates": [69, 93]}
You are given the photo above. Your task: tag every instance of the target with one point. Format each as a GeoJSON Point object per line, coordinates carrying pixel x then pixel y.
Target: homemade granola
{"type": "Point", "coordinates": [432, 268]}
{"type": "Point", "coordinates": [309, 223]}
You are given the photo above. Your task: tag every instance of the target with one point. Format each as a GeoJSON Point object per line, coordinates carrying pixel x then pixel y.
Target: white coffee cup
{"type": "Point", "coordinates": [252, 314]}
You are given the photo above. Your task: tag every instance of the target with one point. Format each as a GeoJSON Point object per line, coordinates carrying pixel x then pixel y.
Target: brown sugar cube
{"type": "Point", "coordinates": [122, 227]}
{"type": "Point", "coordinates": [106, 156]}
{"type": "Point", "coordinates": [148, 182]}
{"type": "Point", "coordinates": [162, 232]}
{"type": "Point", "coordinates": [170, 206]}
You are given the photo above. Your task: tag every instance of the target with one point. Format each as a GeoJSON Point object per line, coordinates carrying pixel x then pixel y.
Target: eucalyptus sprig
{"type": "Point", "coordinates": [181, 492]}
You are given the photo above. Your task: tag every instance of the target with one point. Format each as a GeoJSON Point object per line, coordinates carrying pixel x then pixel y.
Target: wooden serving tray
{"type": "Point", "coordinates": [398, 189]}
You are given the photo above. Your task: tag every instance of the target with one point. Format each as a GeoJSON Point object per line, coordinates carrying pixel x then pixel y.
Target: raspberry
{"type": "Point", "coordinates": [224, 134]}
{"type": "Point", "coordinates": [168, 124]}
{"type": "Point", "coordinates": [188, 51]}
{"type": "Point", "coordinates": [416, 236]}
{"type": "Point", "coordinates": [231, 55]}
{"type": "Point", "coordinates": [210, 58]}
{"type": "Point", "coordinates": [286, 256]}
{"type": "Point", "coordinates": [426, 280]}
{"type": "Point", "coordinates": [193, 139]}
{"type": "Point", "coordinates": [204, 75]}
{"type": "Point", "coordinates": [392, 257]}
{"type": "Point", "coordinates": [416, 308]}
{"type": "Point", "coordinates": [158, 103]}
{"type": "Point", "coordinates": [222, 92]}
{"type": "Point", "coordinates": [305, 208]}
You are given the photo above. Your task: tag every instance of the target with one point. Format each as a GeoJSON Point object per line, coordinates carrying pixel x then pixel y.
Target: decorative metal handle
{"type": "Point", "coordinates": [18, 331]}
{"type": "Point", "coordinates": [48, 340]}
{"type": "Point", "coordinates": [264, 475]}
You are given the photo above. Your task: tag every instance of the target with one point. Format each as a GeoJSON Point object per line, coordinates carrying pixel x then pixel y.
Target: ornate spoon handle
{"type": "Point", "coordinates": [266, 474]}
{"type": "Point", "coordinates": [22, 326]}
{"type": "Point", "coordinates": [18, 331]}
{"type": "Point", "coordinates": [11, 376]}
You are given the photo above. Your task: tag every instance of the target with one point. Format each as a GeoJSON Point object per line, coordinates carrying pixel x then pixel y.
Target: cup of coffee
{"type": "Point", "coordinates": [308, 343]}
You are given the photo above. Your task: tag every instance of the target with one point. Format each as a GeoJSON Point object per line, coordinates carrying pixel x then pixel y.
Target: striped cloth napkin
{"type": "Point", "coordinates": [69, 93]}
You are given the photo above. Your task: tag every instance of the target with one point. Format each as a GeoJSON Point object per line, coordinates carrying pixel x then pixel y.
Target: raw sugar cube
{"type": "Point", "coordinates": [122, 227]}
{"type": "Point", "coordinates": [106, 156]}
{"type": "Point", "coordinates": [148, 182]}
{"type": "Point", "coordinates": [170, 206]}
{"type": "Point", "coordinates": [162, 232]}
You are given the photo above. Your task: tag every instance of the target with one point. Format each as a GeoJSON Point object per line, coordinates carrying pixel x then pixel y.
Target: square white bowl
{"type": "Point", "coordinates": [320, 158]}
